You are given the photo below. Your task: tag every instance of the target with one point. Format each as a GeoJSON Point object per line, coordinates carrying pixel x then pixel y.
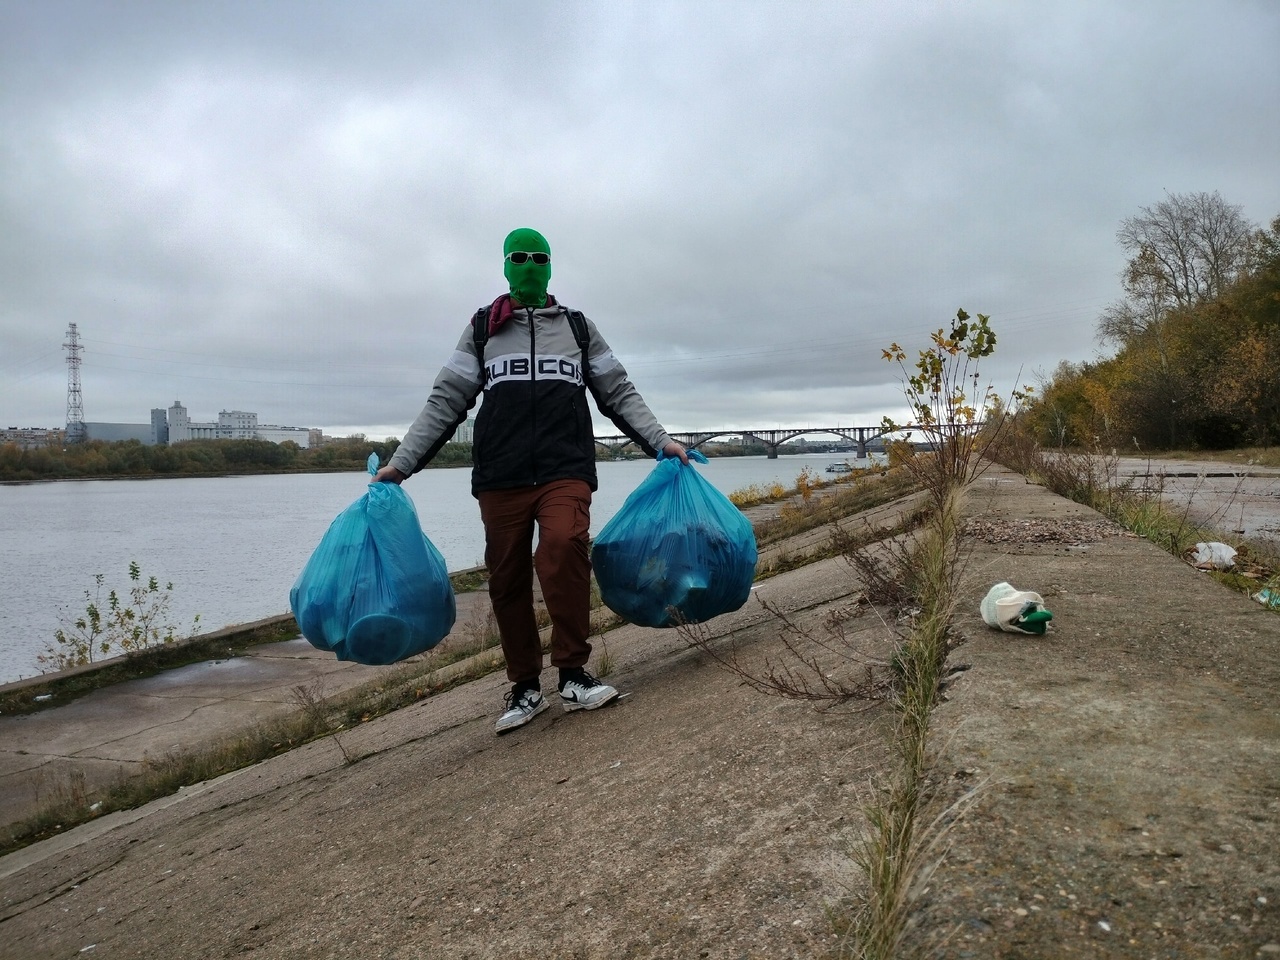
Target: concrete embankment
{"type": "Point", "coordinates": [1126, 801]}
{"type": "Point", "coordinates": [95, 739]}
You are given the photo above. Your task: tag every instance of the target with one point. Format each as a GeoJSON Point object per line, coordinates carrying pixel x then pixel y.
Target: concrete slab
{"type": "Point", "coordinates": [253, 677]}
{"type": "Point", "coordinates": [90, 742]}
{"type": "Point", "coordinates": [1128, 805]}
{"type": "Point", "coordinates": [1236, 499]}
{"type": "Point", "coordinates": [218, 719]}
{"type": "Point", "coordinates": [298, 648]}
{"type": "Point", "coordinates": [84, 726]}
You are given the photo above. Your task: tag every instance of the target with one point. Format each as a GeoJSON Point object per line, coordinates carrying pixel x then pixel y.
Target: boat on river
{"type": "Point", "coordinates": [841, 466]}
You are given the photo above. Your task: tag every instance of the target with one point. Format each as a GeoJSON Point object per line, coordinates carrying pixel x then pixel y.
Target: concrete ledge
{"type": "Point", "coordinates": [180, 652]}
{"type": "Point", "coordinates": [244, 634]}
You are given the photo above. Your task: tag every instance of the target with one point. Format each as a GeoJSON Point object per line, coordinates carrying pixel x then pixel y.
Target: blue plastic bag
{"type": "Point", "coordinates": [677, 552]}
{"type": "Point", "coordinates": [375, 590]}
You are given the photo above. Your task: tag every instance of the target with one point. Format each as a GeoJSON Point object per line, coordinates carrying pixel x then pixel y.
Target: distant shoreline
{"type": "Point", "coordinates": [352, 468]}
{"type": "Point", "coordinates": [180, 476]}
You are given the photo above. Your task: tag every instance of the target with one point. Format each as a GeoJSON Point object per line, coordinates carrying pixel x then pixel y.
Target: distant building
{"type": "Point", "coordinates": [169, 427]}
{"type": "Point", "coordinates": [299, 435]}
{"type": "Point", "coordinates": [29, 438]}
{"type": "Point", "coordinates": [159, 426]}
{"type": "Point", "coordinates": [465, 432]}
{"type": "Point", "coordinates": [116, 432]}
{"type": "Point", "coordinates": [231, 425]}
{"type": "Point", "coordinates": [181, 428]}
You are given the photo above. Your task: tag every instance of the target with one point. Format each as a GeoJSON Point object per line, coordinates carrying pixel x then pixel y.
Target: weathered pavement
{"type": "Point", "coordinates": [1129, 804]}
{"type": "Point", "coordinates": [1241, 498]}
{"type": "Point", "coordinates": [112, 732]}
{"type": "Point", "coordinates": [1129, 764]}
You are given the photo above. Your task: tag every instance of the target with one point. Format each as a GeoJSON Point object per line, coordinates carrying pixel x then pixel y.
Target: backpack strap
{"type": "Point", "coordinates": [578, 323]}
{"type": "Point", "coordinates": [480, 336]}
{"type": "Point", "coordinates": [480, 331]}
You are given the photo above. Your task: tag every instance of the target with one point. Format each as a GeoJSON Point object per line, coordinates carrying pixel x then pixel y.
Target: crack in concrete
{"type": "Point", "coordinates": [29, 904]}
{"type": "Point", "coordinates": [158, 726]}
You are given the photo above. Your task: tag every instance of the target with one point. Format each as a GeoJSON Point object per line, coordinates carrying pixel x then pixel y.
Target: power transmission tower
{"type": "Point", "coordinates": [75, 403]}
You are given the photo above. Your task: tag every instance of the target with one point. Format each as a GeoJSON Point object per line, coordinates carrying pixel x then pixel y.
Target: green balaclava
{"type": "Point", "coordinates": [528, 280]}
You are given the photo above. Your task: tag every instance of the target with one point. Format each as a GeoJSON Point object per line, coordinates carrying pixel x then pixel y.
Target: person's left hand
{"type": "Point", "coordinates": [675, 451]}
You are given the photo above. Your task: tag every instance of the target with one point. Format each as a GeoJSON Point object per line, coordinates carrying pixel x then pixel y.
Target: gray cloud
{"type": "Point", "coordinates": [293, 208]}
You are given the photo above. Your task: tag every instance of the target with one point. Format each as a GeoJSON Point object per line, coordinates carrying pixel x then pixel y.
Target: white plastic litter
{"type": "Point", "coordinates": [1005, 603]}
{"type": "Point", "coordinates": [1213, 556]}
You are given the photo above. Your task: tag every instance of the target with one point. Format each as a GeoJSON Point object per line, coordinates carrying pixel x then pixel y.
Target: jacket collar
{"type": "Point", "coordinates": [502, 309]}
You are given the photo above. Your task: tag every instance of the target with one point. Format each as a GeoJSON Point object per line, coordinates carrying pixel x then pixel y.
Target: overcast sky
{"type": "Point", "coordinates": [293, 208]}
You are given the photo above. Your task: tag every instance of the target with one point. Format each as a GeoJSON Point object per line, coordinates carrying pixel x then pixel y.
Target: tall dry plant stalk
{"type": "Point", "coordinates": [959, 417]}
{"type": "Point", "coordinates": [819, 668]}
{"type": "Point", "coordinates": [897, 853]}
{"type": "Point", "coordinates": [310, 698]}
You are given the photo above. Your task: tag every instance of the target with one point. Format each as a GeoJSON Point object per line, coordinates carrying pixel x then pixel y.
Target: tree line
{"type": "Point", "coordinates": [131, 458]}
{"type": "Point", "coordinates": [99, 459]}
{"type": "Point", "coordinates": [1196, 338]}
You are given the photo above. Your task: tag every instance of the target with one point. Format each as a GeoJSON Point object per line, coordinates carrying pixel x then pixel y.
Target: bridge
{"type": "Point", "coordinates": [772, 439]}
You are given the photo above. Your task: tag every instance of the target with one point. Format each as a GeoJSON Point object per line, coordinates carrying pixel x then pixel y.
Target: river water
{"type": "Point", "coordinates": [233, 546]}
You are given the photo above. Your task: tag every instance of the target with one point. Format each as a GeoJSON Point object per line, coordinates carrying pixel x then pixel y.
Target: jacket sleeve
{"type": "Point", "coordinates": [618, 399]}
{"type": "Point", "coordinates": [453, 394]}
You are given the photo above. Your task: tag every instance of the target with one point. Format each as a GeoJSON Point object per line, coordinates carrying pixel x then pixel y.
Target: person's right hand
{"type": "Point", "coordinates": [389, 474]}
{"type": "Point", "coordinates": [676, 451]}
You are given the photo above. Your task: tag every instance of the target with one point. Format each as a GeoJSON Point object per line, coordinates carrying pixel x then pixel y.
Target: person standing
{"type": "Point", "coordinates": [533, 466]}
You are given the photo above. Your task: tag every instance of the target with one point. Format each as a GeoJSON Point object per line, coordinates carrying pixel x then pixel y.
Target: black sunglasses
{"type": "Point", "coordinates": [519, 256]}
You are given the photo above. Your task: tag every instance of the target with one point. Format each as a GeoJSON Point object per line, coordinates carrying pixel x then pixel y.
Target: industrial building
{"type": "Point", "coordinates": [230, 425]}
{"type": "Point", "coordinates": [166, 427]}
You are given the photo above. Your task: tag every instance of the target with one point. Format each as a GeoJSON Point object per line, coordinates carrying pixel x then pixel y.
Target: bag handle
{"type": "Point", "coordinates": [692, 454]}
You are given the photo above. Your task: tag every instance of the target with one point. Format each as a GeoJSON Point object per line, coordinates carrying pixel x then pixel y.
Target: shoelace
{"type": "Point", "coordinates": [517, 698]}
{"type": "Point", "coordinates": [582, 678]}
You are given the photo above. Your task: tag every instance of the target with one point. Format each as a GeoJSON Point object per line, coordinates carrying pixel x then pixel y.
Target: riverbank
{"type": "Point", "coordinates": [1119, 775]}
{"type": "Point", "coordinates": [232, 547]}
{"type": "Point", "coordinates": [58, 688]}
{"type": "Point", "coordinates": [140, 722]}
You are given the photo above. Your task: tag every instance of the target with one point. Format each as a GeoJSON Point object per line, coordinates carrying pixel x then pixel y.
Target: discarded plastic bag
{"type": "Point", "coordinates": [1213, 556]}
{"type": "Point", "coordinates": [676, 552]}
{"type": "Point", "coordinates": [1269, 598]}
{"type": "Point", "coordinates": [1007, 608]}
{"type": "Point", "coordinates": [375, 589]}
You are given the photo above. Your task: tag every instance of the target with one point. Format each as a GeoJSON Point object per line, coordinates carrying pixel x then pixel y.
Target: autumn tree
{"type": "Point", "coordinates": [1198, 358]}
{"type": "Point", "coordinates": [1244, 383]}
{"type": "Point", "coordinates": [1182, 252]}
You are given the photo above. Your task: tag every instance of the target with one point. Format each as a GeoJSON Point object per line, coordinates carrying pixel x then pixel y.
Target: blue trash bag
{"type": "Point", "coordinates": [375, 590]}
{"type": "Point", "coordinates": [677, 552]}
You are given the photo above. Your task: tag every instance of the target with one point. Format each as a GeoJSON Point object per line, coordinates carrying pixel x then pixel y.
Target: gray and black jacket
{"type": "Point", "coordinates": [534, 425]}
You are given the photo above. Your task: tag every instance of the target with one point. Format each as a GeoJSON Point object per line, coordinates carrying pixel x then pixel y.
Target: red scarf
{"type": "Point", "coordinates": [502, 310]}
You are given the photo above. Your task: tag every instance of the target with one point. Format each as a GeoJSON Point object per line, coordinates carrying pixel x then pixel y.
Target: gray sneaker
{"type": "Point", "coordinates": [579, 690]}
{"type": "Point", "coordinates": [522, 706]}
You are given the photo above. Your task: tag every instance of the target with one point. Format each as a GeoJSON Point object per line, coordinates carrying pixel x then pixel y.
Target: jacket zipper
{"type": "Point", "coordinates": [533, 400]}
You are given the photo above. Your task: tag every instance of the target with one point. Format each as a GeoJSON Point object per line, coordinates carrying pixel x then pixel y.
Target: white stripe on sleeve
{"type": "Point", "coordinates": [465, 366]}
{"type": "Point", "coordinates": [604, 363]}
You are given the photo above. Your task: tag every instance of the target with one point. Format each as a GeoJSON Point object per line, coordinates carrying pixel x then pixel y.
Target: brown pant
{"type": "Point", "coordinates": [562, 511]}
